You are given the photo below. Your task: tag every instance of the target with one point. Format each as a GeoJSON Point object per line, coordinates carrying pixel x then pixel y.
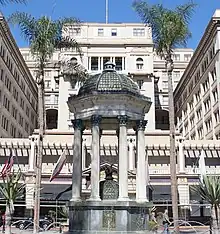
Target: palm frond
{"type": "Point", "coordinates": [209, 190]}
{"type": "Point", "coordinates": [68, 21]}
{"type": "Point", "coordinates": [186, 10]}
{"type": "Point", "coordinates": [67, 42]}
{"type": "Point", "coordinates": [4, 2]}
{"type": "Point", "coordinates": [26, 23]}
{"type": "Point", "coordinates": [169, 27]}
{"type": "Point", "coordinates": [12, 187]}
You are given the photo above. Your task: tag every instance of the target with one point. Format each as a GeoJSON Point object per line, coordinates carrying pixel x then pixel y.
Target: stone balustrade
{"type": "Point", "coordinates": [47, 168]}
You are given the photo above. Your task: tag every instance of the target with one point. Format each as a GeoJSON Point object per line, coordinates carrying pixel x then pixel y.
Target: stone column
{"type": "Point", "coordinates": [123, 158]}
{"type": "Point", "coordinates": [131, 155]}
{"type": "Point", "coordinates": [181, 158]}
{"type": "Point", "coordinates": [95, 158]}
{"type": "Point", "coordinates": [84, 154]}
{"type": "Point", "coordinates": [141, 180]}
{"type": "Point", "coordinates": [32, 156]}
{"type": "Point", "coordinates": [77, 161]}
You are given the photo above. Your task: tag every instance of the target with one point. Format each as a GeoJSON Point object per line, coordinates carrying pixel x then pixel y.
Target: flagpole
{"type": "Point", "coordinates": [106, 11]}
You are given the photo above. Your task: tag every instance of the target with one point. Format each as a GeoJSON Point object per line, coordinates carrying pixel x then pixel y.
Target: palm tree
{"type": "Point", "coordinates": [11, 189]}
{"type": "Point", "coordinates": [209, 190]}
{"type": "Point", "coordinates": [4, 2]}
{"type": "Point", "coordinates": [44, 36]}
{"type": "Point", "coordinates": [170, 29]}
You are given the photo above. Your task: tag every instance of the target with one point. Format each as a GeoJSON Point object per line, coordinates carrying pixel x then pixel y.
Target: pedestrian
{"type": "Point", "coordinates": [3, 222]}
{"type": "Point", "coordinates": [166, 222]}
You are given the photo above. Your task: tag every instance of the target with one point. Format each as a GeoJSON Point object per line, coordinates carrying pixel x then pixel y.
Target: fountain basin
{"type": "Point", "coordinates": [107, 216]}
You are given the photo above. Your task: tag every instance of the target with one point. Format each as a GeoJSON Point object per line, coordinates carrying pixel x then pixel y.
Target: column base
{"type": "Point", "coordinates": [142, 200]}
{"type": "Point", "coordinates": [123, 199]}
{"type": "Point", "coordinates": [94, 199]}
{"type": "Point", "coordinates": [76, 199]}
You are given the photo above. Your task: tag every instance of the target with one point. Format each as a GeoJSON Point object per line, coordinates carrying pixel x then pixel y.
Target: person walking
{"type": "Point", "coordinates": [166, 222]}
{"type": "Point", "coordinates": [3, 222]}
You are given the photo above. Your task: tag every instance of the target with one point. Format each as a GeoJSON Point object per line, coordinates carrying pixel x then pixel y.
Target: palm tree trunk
{"type": "Point", "coordinates": [214, 216]}
{"type": "Point", "coordinates": [173, 177]}
{"type": "Point", "coordinates": [7, 220]}
{"type": "Point", "coordinates": [39, 152]}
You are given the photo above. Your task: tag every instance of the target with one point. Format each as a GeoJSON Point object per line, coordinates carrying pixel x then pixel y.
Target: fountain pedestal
{"type": "Point", "coordinates": [89, 217]}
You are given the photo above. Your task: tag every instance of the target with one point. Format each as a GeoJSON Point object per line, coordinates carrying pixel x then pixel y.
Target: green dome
{"type": "Point", "coordinates": [109, 81]}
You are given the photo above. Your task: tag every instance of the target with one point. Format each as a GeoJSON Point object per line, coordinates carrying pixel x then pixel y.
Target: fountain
{"type": "Point", "coordinates": [109, 101]}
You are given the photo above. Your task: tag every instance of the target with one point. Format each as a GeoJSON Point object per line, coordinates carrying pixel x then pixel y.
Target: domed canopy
{"type": "Point", "coordinates": [109, 95]}
{"type": "Point", "coordinates": [109, 81]}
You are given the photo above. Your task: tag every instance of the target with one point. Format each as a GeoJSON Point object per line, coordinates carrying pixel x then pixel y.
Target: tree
{"type": "Point", "coordinates": [11, 189]}
{"type": "Point", "coordinates": [44, 36]}
{"type": "Point", "coordinates": [170, 29]}
{"type": "Point", "coordinates": [4, 2]}
{"type": "Point", "coordinates": [209, 190]}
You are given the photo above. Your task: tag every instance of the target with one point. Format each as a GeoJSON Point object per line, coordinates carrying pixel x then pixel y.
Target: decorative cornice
{"type": "Point", "coordinates": [96, 120]}
{"type": "Point", "coordinates": [141, 124]}
{"type": "Point", "coordinates": [123, 119]}
{"type": "Point", "coordinates": [77, 124]}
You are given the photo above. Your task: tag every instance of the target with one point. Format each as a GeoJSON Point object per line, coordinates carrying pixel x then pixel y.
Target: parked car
{"type": "Point", "coordinates": [29, 223]}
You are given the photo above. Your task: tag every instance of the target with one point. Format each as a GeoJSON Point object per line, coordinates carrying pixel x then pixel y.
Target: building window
{"type": "Point", "coordinates": [118, 63]}
{"type": "Point", "coordinates": [208, 125]}
{"type": "Point", "coordinates": [176, 75]}
{"type": "Point", "coordinates": [139, 63]}
{"type": "Point", "coordinates": [114, 32]}
{"type": "Point", "coordinates": [165, 85]}
{"type": "Point", "coordinates": [138, 32]}
{"type": "Point", "coordinates": [26, 126]}
{"type": "Point", "coordinates": [6, 103]}
{"type": "Point", "coordinates": [25, 56]}
{"type": "Point", "coordinates": [105, 60]}
{"type": "Point", "coordinates": [74, 32]}
{"type": "Point", "coordinates": [94, 63]}
{"type": "Point", "coordinates": [165, 100]}
{"type": "Point", "coordinates": [47, 73]}
{"type": "Point", "coordinates": [4, 122]}
{"type": "Point", "coordinates": [140, 83]}
{"type": "Point", "coordinates": [27, 111]}
{"type": "Point", "coordinates": [215, 95]}
{"type": "Point", "coordinates": [100, 32]}
{"type": "Point", "coordinates": [176, 57]}
{"type": "Point", "coordinates": [21, 120]}
{"type": "Point", "coordinates": [47, 84]}
{"type": "Point", "coordinates": [200, 132]}
{"type": "Point", "coordinates": [216, 114]}
{"type": "Point", "coordinates": [56, 98]}
{"type": "Point", "coordinates": [187, 57]}
{"type": "Point", "coordinates": [22, 103]}
{"type": "Point", "coordinates": [13, 131]}
{"type": "Point", "coordinates": [56, 85]}
{"type": "Point", "coordinates": [47, 99]}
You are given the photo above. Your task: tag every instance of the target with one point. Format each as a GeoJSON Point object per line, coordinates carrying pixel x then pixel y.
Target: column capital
{"type": "Point", "coordinates": [141, 124]}
{"type": "Point", "coordinates": [77, 124]}
{"type": "Point", "coordinates": [96, 120]}
{"type": "Point", "coordinates": [123, 119]}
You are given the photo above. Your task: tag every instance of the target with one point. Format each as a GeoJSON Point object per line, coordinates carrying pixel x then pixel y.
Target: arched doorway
{"type": "Point", "coordinates": [162, 119]}
{"type": "Point", "coordinates": [51, 118]}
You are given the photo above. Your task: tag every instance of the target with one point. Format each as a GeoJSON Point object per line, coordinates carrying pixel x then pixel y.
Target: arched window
{"type": "Point", "coordinates": [139, 63]}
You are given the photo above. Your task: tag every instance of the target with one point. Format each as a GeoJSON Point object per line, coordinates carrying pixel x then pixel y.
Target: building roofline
{"type": "Point", "coordinates": [122, 24]}
{"type": "Point", "coordinates": [198, 51]}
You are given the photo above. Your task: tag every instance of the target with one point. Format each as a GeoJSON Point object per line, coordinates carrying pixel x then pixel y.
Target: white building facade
{"type": "Point", "coordinates": [130, 47]}
{"type": "Point", "coordinates": [18, 91]}
{"type": "Point", "coordinates": [197, 101]}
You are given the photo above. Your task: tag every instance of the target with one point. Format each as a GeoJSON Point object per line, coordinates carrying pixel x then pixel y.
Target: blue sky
{"type": "Point", "coordinates": [119, 11]}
